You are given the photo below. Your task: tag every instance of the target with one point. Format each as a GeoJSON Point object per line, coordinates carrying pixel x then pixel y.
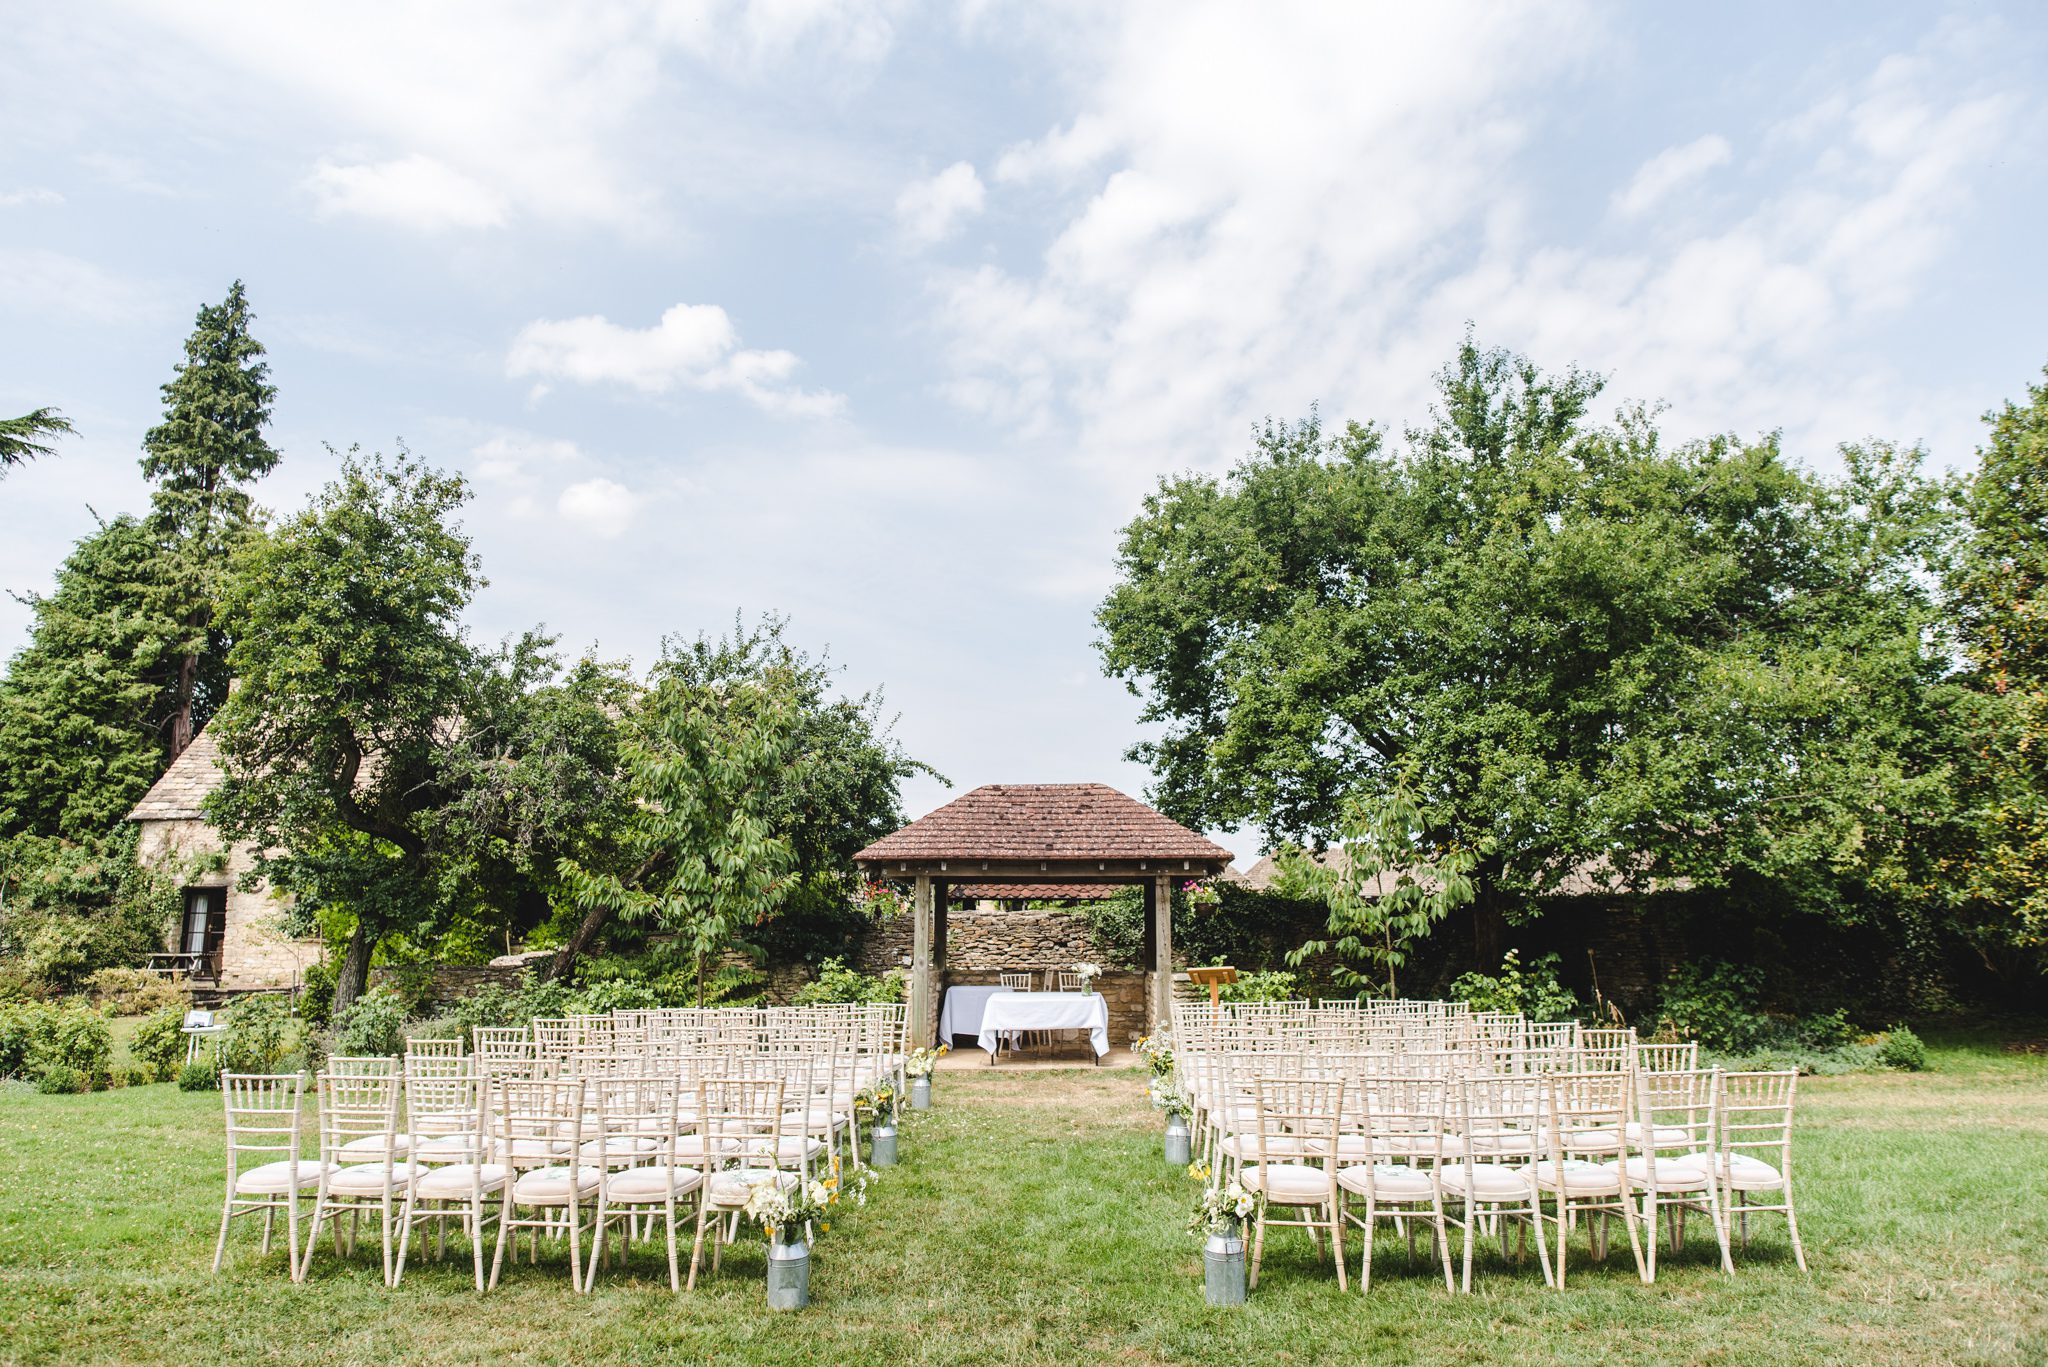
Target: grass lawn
{"type": "Point", "coordinates": [1034, 1222]}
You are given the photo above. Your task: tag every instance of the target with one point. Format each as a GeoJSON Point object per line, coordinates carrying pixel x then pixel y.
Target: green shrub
{"type": "Point", "coordinates": [136, 1075]}
{"type": "Point", "coordinates": [199, 1077]}
{"type": "Point", "coordinates": [1716, 1004]}
{"type": "Point", "coordinates": [74, 908]}
{"type": "Point", "coordinates": [132, 992]}
{"type": "Point", "coordinates": [1534, 992]}
{"type": "Point", "coordinates": [373, 1025]}
{"type": "Point", "coordinates": [60, 1080]}
{"type": "Point", "coordinates": [76, 1037]}
{"type": "Point", "coordinates": [436, 1027]}
{"type": "Point", "coordinates": [1830, 1030]}
{"type": "Point", "coordinates": [1275, 985]}
{"type": "Point", "coordinates": [1900, 1048]}
{"type": "Point", "coordinates": [316, 998]}
{"type": "Point", "coordinates": [22, 1024]}
{"type": "Point", "coordinates": [259, 1035]}
{"type": "Point", "coordinates": [158, 1044]}
{"type": "Point", "coordinates": [836, 982]}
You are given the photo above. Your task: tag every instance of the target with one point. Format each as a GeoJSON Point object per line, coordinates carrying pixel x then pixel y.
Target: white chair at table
{"type": "Point", "coordinates": [1064, 981]}
{"type": "Point", "coordinates": [1019, 982]}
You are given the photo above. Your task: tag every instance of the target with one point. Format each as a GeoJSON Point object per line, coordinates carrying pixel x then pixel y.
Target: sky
{"type": "Point", "coordinates": [885, 316]}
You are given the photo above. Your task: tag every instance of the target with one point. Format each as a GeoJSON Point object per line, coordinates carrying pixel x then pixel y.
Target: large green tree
{"type": "Point", "coordinates": [823, 781]}
{"type": "Point", "coordinates": [1997, 874]}
{"type": "Point", "coordinates": [201, 457]}
{"type": "Point", "coordinates": [351, 668]}
{"type": "Point", "coordinates": [84, 705]}
{"type": "Point", "coordinates": [1589, 657]}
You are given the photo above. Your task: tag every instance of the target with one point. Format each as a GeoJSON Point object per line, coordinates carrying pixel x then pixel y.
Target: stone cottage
{"type": "Point", "coordinates": [228, 937]}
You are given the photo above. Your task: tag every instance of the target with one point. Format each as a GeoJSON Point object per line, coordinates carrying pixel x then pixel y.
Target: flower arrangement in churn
{"type": "Point", "coordinates": [1222, 1210]}
{"type": "Point", "coordinates": [1167, 1097]}
{"type": "Point", "coordinates": [787, 1206]}
{"type": "Point", "coordinates": [920, 1062]}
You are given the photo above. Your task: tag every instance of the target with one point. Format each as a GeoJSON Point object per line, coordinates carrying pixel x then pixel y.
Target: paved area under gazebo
{"type": "Point", "coordinates": [1038, 834]}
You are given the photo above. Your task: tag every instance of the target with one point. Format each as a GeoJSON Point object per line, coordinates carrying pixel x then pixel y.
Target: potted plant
{"type": "Point", "coordinates": [1169, 1098]}
{"type": "Point", "coordinates": [1220, 1217]}
{"type": "Point", "coordinates": [919, 1066]}
{"type": "Point", "coordinates": [788, 1209]}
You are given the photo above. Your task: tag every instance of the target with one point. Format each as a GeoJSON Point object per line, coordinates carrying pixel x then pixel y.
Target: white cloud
{"type": "Point", "coordinates": [1670, 169]}
{"type": "Point", "coordinates": [414, 192]}
{"type": "Point", "coordinates": [511, 459]}
{"type": "Point", "coordinates": [600, 507]}
{"type": "Point", "coordinates": [694, 346]}
{"type": "Point", "coordinates": [52, 286]}
{"type": "Point", "coordinates": [33, 195]}
{"type": "Point", "coordinates": [1320, 227]}
{"type": "Point", "coordinates": [477, 111]}
{"type": "Point", "coordinates": [932, 210]}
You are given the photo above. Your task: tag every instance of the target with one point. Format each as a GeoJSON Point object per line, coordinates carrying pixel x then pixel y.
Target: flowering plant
{"type": "Point", "coordinates": [776, 1203]}
{"type": "Point", "coordinates": [879, 900]}
{"type": "Point", "coordinates": [1168, 1098]}
{"type": "Point", "coordinates": [877, 1099]}
{"type": "Point", "coordinates": [1157, 1051]}
{"type": "Point", "coordinates": [1089, 973]}
{"type": "Point", "coordinates": [1223, 1210]}
{"type": "Point", "coordinates": [920, 1062]}
{"type": "Point", "coordinates": [1200, 894]}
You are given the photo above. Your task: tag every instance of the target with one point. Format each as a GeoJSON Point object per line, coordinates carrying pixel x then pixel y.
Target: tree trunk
{"type": "Point", "coordinates": [181, 720]}
{"type": "Point", "coordinates": [354, 974]}
{"type": "Point", "coordinates": [1489, 925]}
{"type": "Point", "coordinates": [594, 920]}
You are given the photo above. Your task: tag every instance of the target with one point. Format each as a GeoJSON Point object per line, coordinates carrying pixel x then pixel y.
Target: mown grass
{"type": "Point", "coordinates": [1035, 1222]}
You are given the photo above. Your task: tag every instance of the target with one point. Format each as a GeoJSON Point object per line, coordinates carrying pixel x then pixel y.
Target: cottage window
{"type": "Point", "coordinates": [205, 926]}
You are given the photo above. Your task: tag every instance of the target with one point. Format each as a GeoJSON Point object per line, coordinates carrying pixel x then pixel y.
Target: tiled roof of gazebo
{"type": "Point", "coordinates": [1037, 892]}
{"type": "Point", "coordinates": [1044, 821]}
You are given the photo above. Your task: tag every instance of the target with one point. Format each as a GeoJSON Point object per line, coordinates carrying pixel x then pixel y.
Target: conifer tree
{"type": "Point", "coordinates": [201, 457]}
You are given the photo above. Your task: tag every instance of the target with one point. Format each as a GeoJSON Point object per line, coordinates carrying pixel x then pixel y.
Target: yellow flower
{"type": "Point", "coordinates": [825, 1226]}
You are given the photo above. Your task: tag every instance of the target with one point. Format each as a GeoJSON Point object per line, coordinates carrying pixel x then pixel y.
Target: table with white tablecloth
{"type": "Point", "coordinates": [1012, 1013]}
{"type": "Point", "coordinates": [960, 1012]}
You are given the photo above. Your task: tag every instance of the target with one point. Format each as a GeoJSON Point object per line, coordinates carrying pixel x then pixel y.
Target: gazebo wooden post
{"type": "Point", "coordinates": [921, 964]}
{"type": "Point", "coordinates": [1162, 951]}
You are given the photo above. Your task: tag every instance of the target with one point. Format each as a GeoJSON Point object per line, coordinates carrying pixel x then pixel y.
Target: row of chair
{"type": "Point", "coordinates": [1483, 1133]}
{"type": "Point", "coordinates": [602, 1143]}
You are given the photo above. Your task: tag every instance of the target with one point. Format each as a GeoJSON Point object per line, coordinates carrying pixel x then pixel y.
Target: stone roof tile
{"type": "Point", "coordinates": [176, 796]}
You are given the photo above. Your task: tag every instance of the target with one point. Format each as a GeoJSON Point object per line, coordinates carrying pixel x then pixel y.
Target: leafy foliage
{"type": "Point", "coordinates": [158, 1043]}
{"type": "Point", "coordinates": [351, 665]}
{"type": "Point", "coordinates": [24, 438]}
{"type": "Point", "coordinates": [1716, 1004]}
{"type": "Point", "coordinates": [1389, 888]}
{"type": "Point", "coordinates": [371, 1026]}
{"type": "Point", "coordinates": [86, 707]}
{"type": "Point", "coordinates": [1534, 991]}
{"type": "Point", "coordinates": [1903, 1050]}
{"type": "Point", "coordinates": [71, 910]}
{"type": "Point", "coordinates": [261, 1035]}
{"type": "Point", "coordinates": [1271, 985]}
{"type": "Point", "coordinates": [1588, 657]}
{"type": "Point", "coordinates": [836, 982]}
{"type": "Point", "coordinates": [203, 454]}
{"type": "Point", "coordinates": [134, 992]}
{"type": "Point", "coordinates": [1996, 871]}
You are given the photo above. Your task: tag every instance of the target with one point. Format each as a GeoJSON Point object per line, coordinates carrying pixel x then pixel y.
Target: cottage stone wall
{"type": "Point", "coordinates": [994, 941]}
{"type": "Point", "coordinates": [256, 953]}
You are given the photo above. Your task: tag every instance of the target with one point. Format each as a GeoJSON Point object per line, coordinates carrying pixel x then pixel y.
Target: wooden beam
{"type": "Point", "coordinates": [921, 963]}
{"type": "Point", "coordinates": [1162, 952]}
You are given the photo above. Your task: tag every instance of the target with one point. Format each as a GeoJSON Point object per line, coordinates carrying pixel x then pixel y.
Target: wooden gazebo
{"type": "Point", "coordinates": [1036, 834]}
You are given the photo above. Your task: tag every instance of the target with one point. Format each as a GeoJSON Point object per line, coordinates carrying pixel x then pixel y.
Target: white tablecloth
{"type": "Point", "coordinates": [1013, 1011]}
{"type": "Point", "coordinates": [960, 1012]}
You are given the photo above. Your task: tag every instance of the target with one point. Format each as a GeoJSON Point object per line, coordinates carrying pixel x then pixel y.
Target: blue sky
{"type": "Point", "coordinates": [884, 315]}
